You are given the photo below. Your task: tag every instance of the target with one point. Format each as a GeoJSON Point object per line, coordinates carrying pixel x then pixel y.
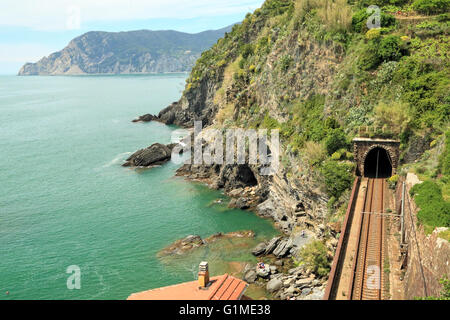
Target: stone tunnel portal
{"type": "Point", "coordinates": [376, 156]}
{"type": "Point", "coordinates": [378, 164]}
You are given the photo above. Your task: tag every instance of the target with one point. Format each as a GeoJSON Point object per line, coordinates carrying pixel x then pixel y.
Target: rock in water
{"type": "Point", "coordinates": [155, 154]}
{"type": "Point", "coordinates": [146, 118]}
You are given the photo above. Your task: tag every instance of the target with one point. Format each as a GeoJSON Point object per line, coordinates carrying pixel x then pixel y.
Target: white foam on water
{"type": "Point", "coordinates": [119, 158]}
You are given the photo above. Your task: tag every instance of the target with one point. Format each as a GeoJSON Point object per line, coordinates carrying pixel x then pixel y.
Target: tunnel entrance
{"type": "Point", "coordinates": [378, 164]}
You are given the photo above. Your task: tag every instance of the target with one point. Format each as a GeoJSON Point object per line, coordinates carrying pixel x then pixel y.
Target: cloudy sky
{"type": "Point", "coordinates": [31, 29]}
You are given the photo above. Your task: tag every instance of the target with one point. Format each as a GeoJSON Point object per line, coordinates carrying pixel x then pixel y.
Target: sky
{"type": "Point", "coordinates": [32, 29]}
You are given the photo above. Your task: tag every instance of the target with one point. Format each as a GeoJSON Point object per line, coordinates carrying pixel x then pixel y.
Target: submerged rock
{"type": "Point", "coordinates": [194, 241]}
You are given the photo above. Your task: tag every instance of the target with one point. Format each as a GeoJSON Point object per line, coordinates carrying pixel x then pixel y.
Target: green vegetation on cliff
{"type": "Point", "coordinates": [313, 69]}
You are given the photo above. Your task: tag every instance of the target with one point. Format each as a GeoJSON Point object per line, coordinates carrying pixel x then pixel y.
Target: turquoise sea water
{"type": "Point", "coordinates": [65, 199]}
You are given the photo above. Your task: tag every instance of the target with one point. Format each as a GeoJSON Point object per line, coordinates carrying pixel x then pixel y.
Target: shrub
{"type": "Point", "coordinates": [434, 210]}
{"type": "Point", "coordinates": [444, 159]}
{"type": "Point", "coordinates": [369, 58]}
{"type": "Point", "coordinates": [378, 50]}
{"type": "Point", "coordinates": [338, 177]}
{"type": "Point", "coordinates": [389, 48]}
{"type": "Point", "coordinates": [431, 6]}
{"type": "Point", "coordinates": [270, 123]}
{"type": "Point", "coordinates": [373, 34]}
{"type": "Point", "coordinates": [247, 50]}
{"type": "Point", "coordinates": [336, 139]}
{"type": "Point", "coordinates": [314, 256]}
{"type": "Point", "coordinates": [315, 152]}
{"type": "Point", "coordinates": [336, 156]}
{"type": "Point", "coordinates": [273, 8]}
{"type": "Point", "coordinates": [242, 63]}
{"type": "Point", "coordinates": [392, 181]}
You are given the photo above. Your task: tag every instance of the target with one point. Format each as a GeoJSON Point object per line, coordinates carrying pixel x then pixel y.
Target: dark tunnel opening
{"type": "Point", "coordinates": [378, 164]}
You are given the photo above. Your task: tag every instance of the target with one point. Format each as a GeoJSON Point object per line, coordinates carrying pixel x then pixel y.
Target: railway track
{"type": "Point", "coordinates": [367, 277]}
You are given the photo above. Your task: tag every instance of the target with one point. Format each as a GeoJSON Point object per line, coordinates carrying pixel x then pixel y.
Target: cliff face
{"type": "Point", "coordinates": [314, 71]}
{"type": "Point", "coordinates": [126, 52]}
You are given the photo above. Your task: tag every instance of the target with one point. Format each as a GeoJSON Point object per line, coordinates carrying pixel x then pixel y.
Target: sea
{"type": "Point", "coordinates": [70, 212]}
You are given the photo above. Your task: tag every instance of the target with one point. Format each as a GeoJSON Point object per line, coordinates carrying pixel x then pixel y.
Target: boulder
{"type": "Point", "coordinates": [272, 245]}
{"type": "Point", "coordinates": [259, 249]}
{"type": "Point", "coordinates": [250, 276]}
{"type": "Point", "coordinates": [283, 248]}
{"type": "Point", "coordinates": [291, 290]}
{"type": "Point", "coordinates": [167, 115]}
{"type": "Point", "coordinates": [274, 285]}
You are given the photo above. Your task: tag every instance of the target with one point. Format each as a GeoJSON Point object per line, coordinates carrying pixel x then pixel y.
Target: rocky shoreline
{"type": "Point", "coordinates": [296, 210]}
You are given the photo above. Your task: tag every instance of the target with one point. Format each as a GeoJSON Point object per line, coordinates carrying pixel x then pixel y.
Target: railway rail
{"type": "Point", "coordinates": [357, 272]}
{"type": "Point", "coordinates": [368, 276]}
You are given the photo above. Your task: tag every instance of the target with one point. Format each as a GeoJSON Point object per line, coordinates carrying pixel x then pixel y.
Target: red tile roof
{"type": "Point", "coordinates": [224, 287]}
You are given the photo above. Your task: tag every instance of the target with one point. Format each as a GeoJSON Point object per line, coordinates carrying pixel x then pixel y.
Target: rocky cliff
{"type": "Point", "coordinates": [130, 52]}
{"type": "Point", "coordinates": [314, 71]}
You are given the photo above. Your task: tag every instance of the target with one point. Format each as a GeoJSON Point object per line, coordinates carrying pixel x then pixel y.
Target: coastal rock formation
{"type": "Point", "coordinates": [145, 118]}
{"type": "Point", "coordinates": [142, 51]}
{"type": "Point", "coordinates": [194, 241]}
{"type": "Point", "coordinates": [156, 154]}
{"type": "Point", "coordinates": [295, 284]}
